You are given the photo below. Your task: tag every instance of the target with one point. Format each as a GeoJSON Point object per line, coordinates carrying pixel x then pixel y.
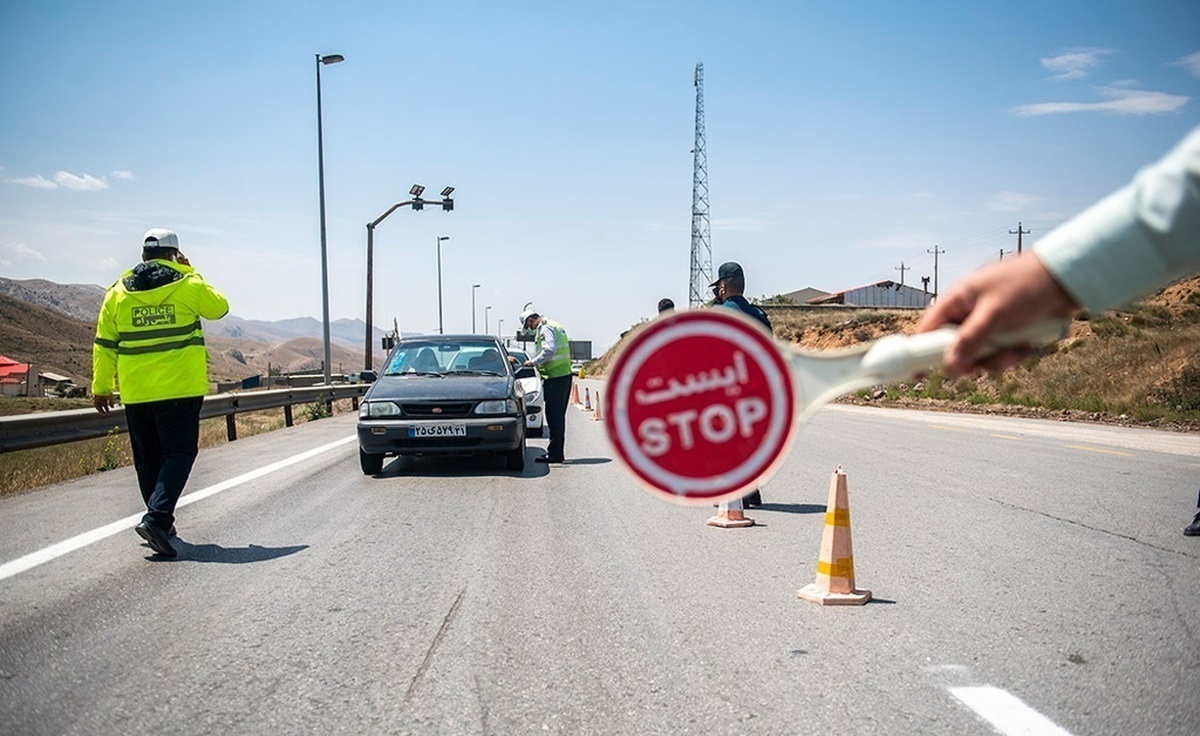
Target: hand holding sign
{"type": "Point", "coordinates": [702, 405]}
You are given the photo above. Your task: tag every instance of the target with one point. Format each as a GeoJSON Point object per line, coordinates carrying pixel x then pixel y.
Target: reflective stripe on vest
{"type": "Point", "coordinates": [560, 364]}
{"type": "Point", "coordinates": [123, 348]}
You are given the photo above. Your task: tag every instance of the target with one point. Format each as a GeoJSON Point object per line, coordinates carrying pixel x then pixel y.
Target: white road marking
{"type": "Point", "coordinates": [46, 554]}
{"type": "Point", "coordinates": [1007, 713]}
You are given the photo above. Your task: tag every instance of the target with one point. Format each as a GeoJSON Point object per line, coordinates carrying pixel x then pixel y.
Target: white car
{"type": "Point", "coordinates": [531, 382]}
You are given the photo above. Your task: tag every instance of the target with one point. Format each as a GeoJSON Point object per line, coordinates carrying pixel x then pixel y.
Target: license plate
{"type": "Point", "coordinates": [438, 430]}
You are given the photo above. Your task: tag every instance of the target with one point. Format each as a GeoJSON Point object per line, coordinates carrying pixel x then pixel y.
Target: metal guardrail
{"type": "Point", "coordinates": [26, 431]}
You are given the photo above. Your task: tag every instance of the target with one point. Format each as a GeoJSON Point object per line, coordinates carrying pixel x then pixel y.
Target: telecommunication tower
{"type": "Point", "coordinates": [701, 271]}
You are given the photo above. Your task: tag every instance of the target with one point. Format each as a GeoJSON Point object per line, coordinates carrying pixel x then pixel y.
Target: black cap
{"type": "Point", "coordinates": [728, 270]}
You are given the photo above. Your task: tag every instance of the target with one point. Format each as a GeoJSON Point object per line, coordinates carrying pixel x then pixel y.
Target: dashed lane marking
{"type": "Point", "coordinates": [1007, 713]}
{"type": "Point", "coordinates": [1085, 448]}
{"type": "Point", "coordinates": [54, 551]}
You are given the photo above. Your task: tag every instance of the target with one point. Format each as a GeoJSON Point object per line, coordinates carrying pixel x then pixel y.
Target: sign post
{"type": "Point", "coordinates": [701, 406]}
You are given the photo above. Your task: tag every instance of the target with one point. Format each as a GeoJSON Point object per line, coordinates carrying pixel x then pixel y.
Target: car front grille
{"type": "Point", "coordinates": [437, 409]}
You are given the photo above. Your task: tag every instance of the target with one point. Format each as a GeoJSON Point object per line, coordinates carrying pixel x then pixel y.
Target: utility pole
{"type": "Point", "coordinates": [1006, 252]}
{"type": "Point", "coordinates": [925, 284]}
{"type": "Point", "coordinates": [936, 252]}
{"type": "Point", "coordinates": [902, 269]}
{"type": "Point", "coordinates": [1018, 232]}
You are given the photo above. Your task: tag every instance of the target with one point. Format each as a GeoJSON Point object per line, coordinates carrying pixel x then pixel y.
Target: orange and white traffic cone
{"type": "Point", "coordinates": [587, 399]}
{"type": "Point", "coordinates": [835, 567]}
{"type": "Point", "coordinates": [575, 394]}
{"type": "Point", "coordinates": [599, 415]}
{"type": "Point", "coordinates": [730, 516]}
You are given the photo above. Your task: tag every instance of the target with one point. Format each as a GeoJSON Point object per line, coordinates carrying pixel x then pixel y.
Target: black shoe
{"type": "Point", "coordinates": [172, 533]}
{"type": "Point", "coordinates": [156, 538]}
{"type": "Point", "coordinates": [1193, 529]}
{"type": "Point", "coordinates": [548, 459]}
{"type": "Point", "coordinates": [752, 499]}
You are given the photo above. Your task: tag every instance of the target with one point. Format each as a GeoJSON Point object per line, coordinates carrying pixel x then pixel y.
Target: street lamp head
{"type": "Point", "coordinates": [447, 191]}
{"type": "Point", "coordinates": [416, 190]}
{"type": "Point", "coordinates": [476, 286]}
{"type": "Point", "coordinates": [443, 237]}
{"type": "Point", "coordinates": [331, 59]}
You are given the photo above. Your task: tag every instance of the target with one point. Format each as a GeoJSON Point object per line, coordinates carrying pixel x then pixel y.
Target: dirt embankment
{"type": "Point", "coordinates": [1137, 366]}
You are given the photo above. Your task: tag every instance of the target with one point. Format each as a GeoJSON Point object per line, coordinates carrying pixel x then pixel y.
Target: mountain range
{"type": "Point", "coordinates": [52, 326]}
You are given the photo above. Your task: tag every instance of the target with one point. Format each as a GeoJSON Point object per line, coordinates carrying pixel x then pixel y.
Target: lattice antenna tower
{"type": "Point", "coordinates": [701, 271]}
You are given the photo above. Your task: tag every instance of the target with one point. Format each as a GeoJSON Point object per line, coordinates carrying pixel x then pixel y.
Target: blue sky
{"type": "Point", "coordinates": [842, 142]}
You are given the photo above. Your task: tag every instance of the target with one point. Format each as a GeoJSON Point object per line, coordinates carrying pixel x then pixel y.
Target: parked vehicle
{"type": "Point", "coordinates": [531, 382]}
{"type": "Point", "coordinates": [444, 394]}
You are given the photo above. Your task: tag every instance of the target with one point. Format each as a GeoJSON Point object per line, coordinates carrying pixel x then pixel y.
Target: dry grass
{"type": "Point", "coordinates": [1136, 366]}
{"type": "Point", "coordinates": [25, 470]}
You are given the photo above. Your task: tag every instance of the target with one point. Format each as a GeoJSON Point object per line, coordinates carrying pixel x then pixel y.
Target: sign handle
{"type": "Point", "coordinates": [898, 357]}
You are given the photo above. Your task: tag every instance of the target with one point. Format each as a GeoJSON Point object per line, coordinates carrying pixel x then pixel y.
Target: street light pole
{"type": "Point", "coordinates": [441, 327]}
{"type": "Point", "coordinates": [486, 312]}
{"type": "Point", "coordinates": [500, 328]}
{"type": "Point", "coordinates": [473, 288]}
{"type": "Point", "coordinates": [327, 59]}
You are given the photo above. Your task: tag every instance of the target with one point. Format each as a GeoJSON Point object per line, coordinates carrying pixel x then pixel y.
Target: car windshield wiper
{"type": "Point", "coordinates": [415, 373]}
{"type": "Point", "coordinates": [472, 372]}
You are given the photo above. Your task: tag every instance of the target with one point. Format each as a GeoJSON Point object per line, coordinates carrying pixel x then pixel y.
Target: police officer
{"type": "Point", "coordinates": [149, 339]}
{"type": "Point", "coordinates": [553, 361]}
{"type": "Point", "coordinates": [728, 291]}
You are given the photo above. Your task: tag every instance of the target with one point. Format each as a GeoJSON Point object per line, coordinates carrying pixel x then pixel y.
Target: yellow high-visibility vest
{"type": "Point", "coordinates": [560, 363]}
{"type": "Point", "coordinates": [150, 341]}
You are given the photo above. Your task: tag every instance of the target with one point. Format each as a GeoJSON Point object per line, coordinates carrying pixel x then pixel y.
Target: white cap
{"type": "Point", "coordinates": [157, 237]}
{"type": "Point", "coordinates": [526, 315]}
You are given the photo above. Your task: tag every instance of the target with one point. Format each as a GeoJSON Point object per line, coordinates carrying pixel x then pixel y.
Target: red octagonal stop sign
{"type": "Point", "coordinates": [700, 405]}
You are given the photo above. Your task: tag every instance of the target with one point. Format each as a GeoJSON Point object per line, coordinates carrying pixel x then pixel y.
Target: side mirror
{"type": "Point", "coordinates": [367, 377]}
{"type": "Point", "coordinates": [531, 410]}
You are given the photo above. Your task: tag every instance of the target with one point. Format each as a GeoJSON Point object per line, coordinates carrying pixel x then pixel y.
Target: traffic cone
{"type": "Point", "coordinates": [835, 567]}
{"type": "Point", "coordinates": [587, 399]}
{"type": "Point", "coordinates": [730, 516]}
{"type": "Point", "coordinates": [598, 416]}
{"type": "Point", "coordinates": [575, 394]}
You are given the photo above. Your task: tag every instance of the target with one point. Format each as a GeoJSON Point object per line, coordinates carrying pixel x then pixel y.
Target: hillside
{"type": "Point", "coordinates": [1140, 365]}
{"type": "Point", "coordinates": [61, 344]}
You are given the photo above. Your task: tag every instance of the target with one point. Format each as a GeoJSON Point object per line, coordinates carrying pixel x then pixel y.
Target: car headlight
{"type": "Point", "coordinates": [496, 406]}
{"type": "Point", "coordinates": [376, 409]}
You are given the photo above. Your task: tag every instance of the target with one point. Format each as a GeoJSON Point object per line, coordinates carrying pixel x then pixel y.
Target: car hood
{"type": "Point", "coordinates": [431, 388]}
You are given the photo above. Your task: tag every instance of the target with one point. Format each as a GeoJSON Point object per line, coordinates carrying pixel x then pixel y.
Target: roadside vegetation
{"type": "Point", "coordinates": [25, 470]}
{"type": "Point", "coordinates": [1135, 366]}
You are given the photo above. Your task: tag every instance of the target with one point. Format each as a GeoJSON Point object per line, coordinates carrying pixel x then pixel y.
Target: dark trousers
{"type": "Point", "coordinates": [558, 397]}
{"type": "Point", "coordinates": [165, 436]}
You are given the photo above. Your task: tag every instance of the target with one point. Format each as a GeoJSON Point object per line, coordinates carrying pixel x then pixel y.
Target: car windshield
{"type": "Point", "coordinates": [441, 358]}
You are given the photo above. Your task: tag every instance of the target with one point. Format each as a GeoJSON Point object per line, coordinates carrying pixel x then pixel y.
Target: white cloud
{"type": "Point", "coordinates": [85, 182]}
{"type": "Point", "coordinates": [1011, 201]}
{"type": "Point", "coordinates": [1191, 63]}
{"type": "Point", "coordinates": [738, 224]}
{"type": "Point", "coordinates": [1121, 101]}
{"type": "Point", "coordinates": [1075, 63]}
{"type": "Point", "coordinates": [110, 264]}
{"type": "Point", "coordinates": [126, 175]}
{"type": "Point", "coordinates": [21, 253]}
{"type": "Point", "coordinates": [37, 182]}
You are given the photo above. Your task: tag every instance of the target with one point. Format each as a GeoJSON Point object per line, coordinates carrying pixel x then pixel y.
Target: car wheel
{"type": "Point", "coordinates": [534, 431]}
{"type": "Point", "coordinates": [370, 464]}
{"type": "Point", "coordinates": [515, 459]}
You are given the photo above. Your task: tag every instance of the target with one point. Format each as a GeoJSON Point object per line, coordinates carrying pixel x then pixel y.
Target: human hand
{"type": "Point", "coordinates": [1007, 295]}
{"type": "Point", "coordinates": [102, 402]}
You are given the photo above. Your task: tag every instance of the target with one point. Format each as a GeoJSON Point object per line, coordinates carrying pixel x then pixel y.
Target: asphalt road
{"type": "Point", "coordinates": [1025, 571]}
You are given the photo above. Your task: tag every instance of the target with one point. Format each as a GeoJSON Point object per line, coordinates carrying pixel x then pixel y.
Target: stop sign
{"type": "Point", "coordinates": [701, 406]}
